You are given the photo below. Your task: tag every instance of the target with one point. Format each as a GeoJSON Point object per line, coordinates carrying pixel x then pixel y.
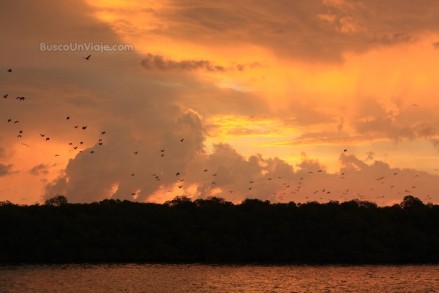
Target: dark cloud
{"type": "Point", "coordinates": [40, 169]}
{"type": "Point", "coordinates": [5, 169]}
{"type": "Point", "coordinates": [314, 30]}
{"type": "Point", "coordinates": [158, 62]}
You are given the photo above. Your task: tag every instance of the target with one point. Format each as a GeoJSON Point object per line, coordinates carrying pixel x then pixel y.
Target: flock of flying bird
{"type": "Point", "coordinates": [287, 188]}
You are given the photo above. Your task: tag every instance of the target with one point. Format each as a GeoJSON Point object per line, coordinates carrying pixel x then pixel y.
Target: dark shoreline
{"type": "Point", "coordinates": [216, 232]}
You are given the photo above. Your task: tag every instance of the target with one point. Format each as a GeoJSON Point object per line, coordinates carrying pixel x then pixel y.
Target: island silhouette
{"type": "Point", "coordinates": [213, 230]}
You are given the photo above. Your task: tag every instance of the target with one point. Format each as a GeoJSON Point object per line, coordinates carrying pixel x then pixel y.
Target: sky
{"type": "Point", "coordinates": [281, 100]}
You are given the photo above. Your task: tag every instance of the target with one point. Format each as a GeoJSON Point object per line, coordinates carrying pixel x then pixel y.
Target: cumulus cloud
{"type": "Point", "coordinates": [155, 125]}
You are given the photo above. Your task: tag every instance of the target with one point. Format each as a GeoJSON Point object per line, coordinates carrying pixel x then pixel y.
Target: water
{"type": "Point", "coordinates": [209, 278]}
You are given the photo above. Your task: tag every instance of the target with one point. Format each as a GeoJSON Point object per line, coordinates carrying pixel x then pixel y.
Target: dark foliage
{"type": "Point", "coordinates": [214, 230]}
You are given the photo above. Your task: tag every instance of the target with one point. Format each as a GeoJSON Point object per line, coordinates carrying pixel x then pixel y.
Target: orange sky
{"type": "Point", "coordinates": [266, 92]}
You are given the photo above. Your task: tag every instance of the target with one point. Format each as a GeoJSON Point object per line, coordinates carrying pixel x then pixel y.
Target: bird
{"type": "Point", "coordinates": [92, 152]}
{"type": "Point", "coordinates": [9, 120]}
{"type": "Point", "coordinates": [162, 150]}
{"type": "Point", "coordinates": [205, 170]}
{"type": "Point", "coordinates": [16, 121]}
{"type": "Point", "coordinates": [84, 127]}
{"type": "Point", "coordinates": [10, 70]}
{"type": "Point", "coordinates": [42, 135]}
{"type": "Point", "coordinates": [180, 186]}
{"type": "Point", "coordinates": [25, 144]}
{"type": "Point", "coordinates": [162, 155]}
{"type": "Point", "coordinates": [178, 173]}
{"type": "Point", "coordinates": [81, 142]}
{"type": "Point", "coordinates": [182, 139]}
{"type": "Point", "coordinates": [68, 117]}
{"type": "Point", "coordinates": [136, 152]}
{"type": "Point", "coordinates": [76, 126]}
{"type": "Point", "coordinates": [5, 96]}
{"type": "Point", "coordinates": [47, 138]}
{"type": "Point", "coordinates": [87, 58]}
{"type": "Point", "coordinates": [103, 132]}
{"type": "Point", "coordinates": [345, 150]}
{"type": "Point", "coordinates": [414, 105]}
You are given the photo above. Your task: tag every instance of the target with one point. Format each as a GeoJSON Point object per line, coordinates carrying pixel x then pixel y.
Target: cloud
{"type": "Point", "coordinates": [5, 169]}
{"type": "Point", "coordinates": [151, 111]}
{"type": "Point", "coordinates": [158, 62]}
{"type": "Point", "coordinates": [40, 169]}
{"type": "Point", "coordinates": [314, 30]}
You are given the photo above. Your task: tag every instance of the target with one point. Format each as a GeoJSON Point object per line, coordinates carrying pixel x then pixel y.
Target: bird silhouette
{"type": "Point", "coordinates": [136, 152]}
{"type": "Point", "coordinates": [68, 117]}
{"type": "Point", "coordinates": [10, 70]}
{"type": "Point", "coordinates": [5, 96]}
{"type": "Point", "coordinates": [84, 127]}
{"type": "Point", "coordinates": [103, 132]}
{"type": "Point", "coordinates": [87, 58]}
{"type": "Point", "coordinates": [182, 139]}
{"type": "Point", "coordinates": [178, 173]}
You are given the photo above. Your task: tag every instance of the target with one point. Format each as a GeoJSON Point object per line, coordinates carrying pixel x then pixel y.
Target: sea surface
{"type": "Point", "coordinates": [217, 278]}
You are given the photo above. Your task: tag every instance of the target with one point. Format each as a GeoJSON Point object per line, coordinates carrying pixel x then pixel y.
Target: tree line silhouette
{"type": "Point", "coordinates": [216, 231]}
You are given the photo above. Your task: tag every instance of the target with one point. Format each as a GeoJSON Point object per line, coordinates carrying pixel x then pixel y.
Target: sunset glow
{"type": "Point", "coordinates": [340, 93]}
